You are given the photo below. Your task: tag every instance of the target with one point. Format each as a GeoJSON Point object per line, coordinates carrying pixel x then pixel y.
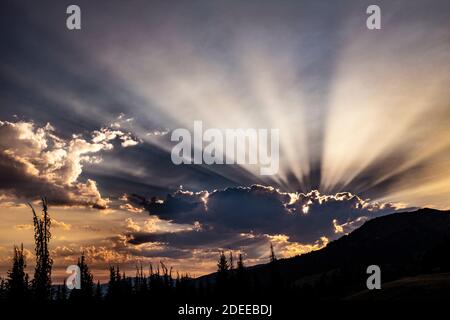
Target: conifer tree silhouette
{"type": "Point", "coordinates": [273, 258]}
{"type": "Point", "coordinates": [114, 283]}
{"type": "Point", "coordinates": [241, 276]}
{"type": "Point", "coordinates": [17, 281]}
{"type": "Point", "coordinates": [42, 273]}
{"type": "Point", "coordinates": [98, 292]}
{"type": "Point", "coordinates": [222, 264]}
{"type": "Point", "coordinates": [86, 277]}
{"type": "Point", "coordinates": [140, 281]}
{"type": "Point", "coordinates": [61, 293]}
{"type": "Point", "coordinates": [275, 277]}
{"type": "Point", "coordinates": [3, 290]}
{"type": "Point", "coordinates": [240, 263]}
{"type": "Point", "coordinates": [231, 260]}
{"type": "Point", "coordinates": [222, 274]}
{"type": "Point", "coordinates": [86, 291]}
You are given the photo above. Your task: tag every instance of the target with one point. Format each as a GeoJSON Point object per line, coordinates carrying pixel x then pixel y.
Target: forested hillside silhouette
{"type": "Point", "coordinates": [404, 245]}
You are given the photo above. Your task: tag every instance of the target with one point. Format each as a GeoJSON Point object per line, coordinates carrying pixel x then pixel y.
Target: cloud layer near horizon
{"type": "Point", "coordinates": [187, 229]}
{"type": "Point", "coordinates": [246, 219]}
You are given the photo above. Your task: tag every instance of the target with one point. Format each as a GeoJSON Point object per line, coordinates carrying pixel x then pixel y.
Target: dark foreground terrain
{"type": "Point", "coordinates": [411, 248]}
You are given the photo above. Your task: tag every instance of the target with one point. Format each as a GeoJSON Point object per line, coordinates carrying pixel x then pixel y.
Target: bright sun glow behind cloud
{"type": "Point", "coordinates": [360, 112]}
{"type": "Point", "coordinates": [378, 112]}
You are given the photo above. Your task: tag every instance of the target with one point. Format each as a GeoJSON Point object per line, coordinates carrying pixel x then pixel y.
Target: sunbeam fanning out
{"type": "Point", "coordinates": [360, 123]}
{"type": "Point", "coordinates": [390, 118]}
{"type": "Point", "coordinates": [88, 118]}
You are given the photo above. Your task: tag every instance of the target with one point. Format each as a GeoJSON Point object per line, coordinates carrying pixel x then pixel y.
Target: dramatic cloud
{"type": "Point", "coordinates": [247, 218]}
{"type": "Point", "coordinates": [35, 161]}
{"type": "Point", "coordinates": [358, 110]}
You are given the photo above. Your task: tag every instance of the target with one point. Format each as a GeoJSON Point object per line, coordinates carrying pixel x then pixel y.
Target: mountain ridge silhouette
{"type": "Point", "coordinates": [403, 244]}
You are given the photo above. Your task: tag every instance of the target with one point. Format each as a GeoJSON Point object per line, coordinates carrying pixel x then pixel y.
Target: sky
{"type": "Point", "coordinates": [86, 118]}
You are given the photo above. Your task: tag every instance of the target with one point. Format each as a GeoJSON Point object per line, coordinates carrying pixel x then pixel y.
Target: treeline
{"type": "Point", "coordinates": [156, 283]}
{"type": "Point", "coordinates": [17, 286]}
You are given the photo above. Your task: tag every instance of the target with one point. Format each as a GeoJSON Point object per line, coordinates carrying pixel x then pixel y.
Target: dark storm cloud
{"type": "Point", "coordinates": [245, 217]}
{"type": "Point", "coordinates": [174, 253]}
{"type": "Point", "coordinates": [14, 181]}
{"type": "Point", "coordinates": [194, 243]}
{"type": "Point", "coordinates": [201, 239]}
